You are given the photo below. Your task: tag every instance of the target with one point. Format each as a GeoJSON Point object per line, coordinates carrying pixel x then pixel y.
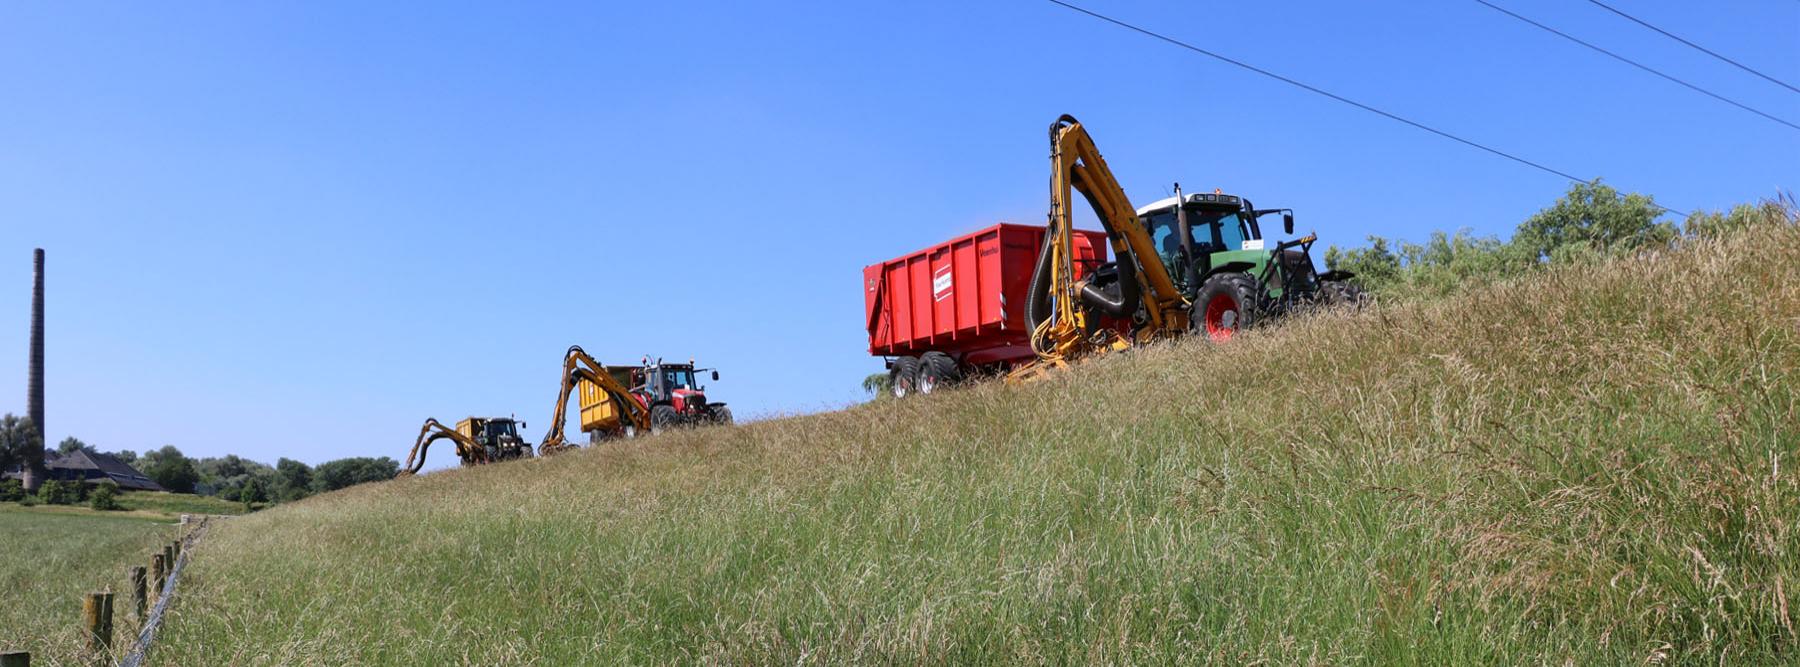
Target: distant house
{"type": "Point", "coordinates": [93, 468]}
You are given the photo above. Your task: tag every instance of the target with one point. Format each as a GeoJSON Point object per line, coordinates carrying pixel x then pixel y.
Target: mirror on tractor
{"type": "Point", "coordinates": [1287, 222]}
{"type": "Point", "coordinates": [715, 376]}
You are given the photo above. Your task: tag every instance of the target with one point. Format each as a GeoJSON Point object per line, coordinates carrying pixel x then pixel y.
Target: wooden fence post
{"type": "Point", "coordinates": [139, 591]}
{"type": "Point", "coordinates": [96, 611]}
{"type": "Point", "coordinates": [15, 659]}
{"type": "Point", "coordinates": [156, 568]}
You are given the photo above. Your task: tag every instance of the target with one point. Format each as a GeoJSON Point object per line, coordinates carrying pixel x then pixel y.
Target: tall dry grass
{"type": "Point", "coordinates": [1593, 465]}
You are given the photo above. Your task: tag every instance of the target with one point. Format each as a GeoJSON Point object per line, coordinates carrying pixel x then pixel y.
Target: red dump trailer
{"type": "Point", "coordinates": [957, 309]}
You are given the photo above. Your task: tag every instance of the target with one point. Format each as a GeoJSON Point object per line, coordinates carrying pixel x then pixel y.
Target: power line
{"type": "Point", "coordinates": [1334, 96]}
{"type": "Point", "coordinates": [1698, 47]}
{"type": "Point", "coordinates": [1636, 64]}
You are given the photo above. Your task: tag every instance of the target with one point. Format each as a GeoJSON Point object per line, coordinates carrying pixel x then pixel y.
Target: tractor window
{"type": "Point", "coordinates": [497, 429]}
{"type": "Point", "coordinates": [678, 379]}
{"type": "Point", "coordinates": [1166, 234]}
{"type": "Point", "coordinates": [1228, 230]}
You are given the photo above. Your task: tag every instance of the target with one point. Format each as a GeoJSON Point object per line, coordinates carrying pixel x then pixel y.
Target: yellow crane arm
{"type": "Point", "coordinates": [1076, 164]}
{"type": "Point", "coordinates": [579, 367]}
{"type": "Point", "coordinates": [431, 432]}
{"type": "Point", "coordinates": [1059, 305]}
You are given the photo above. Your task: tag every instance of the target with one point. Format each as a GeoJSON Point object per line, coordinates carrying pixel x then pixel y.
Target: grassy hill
{"type": "Point", "coordinates": [1594, 465]}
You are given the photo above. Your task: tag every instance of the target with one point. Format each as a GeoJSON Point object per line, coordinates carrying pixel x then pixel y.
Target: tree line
{"type": "Point", "coordinates": [1591, 222]}
{"type": "Point", "coordinates": [229, 477]}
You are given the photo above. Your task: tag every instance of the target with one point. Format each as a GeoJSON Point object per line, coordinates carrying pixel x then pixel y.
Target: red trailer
{"type": "Point", "coordinates": [958, 308]}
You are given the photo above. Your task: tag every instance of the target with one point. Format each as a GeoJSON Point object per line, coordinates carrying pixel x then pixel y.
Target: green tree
{"type": "Point", "coordinates": [171, 469]}
{"type": "Point", "coordinates": [1593, 219]}
{"type": "Point", "coordinates": [334, 475]}
{"type": "Point", "coordinates": [16, 437]}
{"type": "Point", "coordinates": [11, 490]}
{"type": "Point", "coordinates": [252, 492]}
{"type": "Point", "coordinates": [105, 496]}
{"type": "Point", "coordinates": [127, 456]}
{"type": "Point", "coordinates": [70, 445]}
{"type": "Point", "coordinates": [877, 384]}
{"type": "Point", "coordinates": [1714, 224]}
{"type": "Point", "coordinates": [293, 480]}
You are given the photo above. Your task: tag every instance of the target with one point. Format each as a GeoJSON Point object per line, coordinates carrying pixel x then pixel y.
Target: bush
{"type": "Point", "coordinates": [28, 501]}
{"type": "Point", "coordinates": [105, 497]}
{"type": "Point", "coordinates": [59, 492]}
{"type": "Point", "coordinates": [11, 490]}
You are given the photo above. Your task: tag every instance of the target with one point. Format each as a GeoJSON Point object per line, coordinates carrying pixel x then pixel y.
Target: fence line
{"type": "Point", "coordinates": [148, 633]}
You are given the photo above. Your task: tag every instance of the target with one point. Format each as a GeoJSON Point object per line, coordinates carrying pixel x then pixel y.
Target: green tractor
{"type": "Point", "coordinates": [1214, 249]}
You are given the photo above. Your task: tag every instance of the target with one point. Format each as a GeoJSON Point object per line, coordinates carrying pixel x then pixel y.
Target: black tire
{"type": "Point", "coordinates": [903, 376]}
{"type": "Point", "coordinates": [1227, 303]}
{"type": "Point", "coordinates": [936, 371]}
{"type": "Point", "coordinates": [1339, 293]}
{"type": "Point", "coordinates": [721, 415]}
{"type": "Point", "coordinates": [663, 418]}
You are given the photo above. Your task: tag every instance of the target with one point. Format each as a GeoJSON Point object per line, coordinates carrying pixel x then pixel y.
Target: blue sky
{"type": "Point", "coordinates": [300, 229]}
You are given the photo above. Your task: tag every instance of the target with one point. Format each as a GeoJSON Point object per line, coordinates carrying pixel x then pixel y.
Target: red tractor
{"type": "Point", "coordinates": [673, 394]}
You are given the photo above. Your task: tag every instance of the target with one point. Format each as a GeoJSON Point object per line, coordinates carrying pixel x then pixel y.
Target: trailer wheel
{"type": "Point", "coordinates": [663, 418]}
{"type": "Point", "coordinates": [903, 376]}
{"type": "Point", "coordinates": [1226, 305]}
{"type": "Point", "coordinates": [936, 371]}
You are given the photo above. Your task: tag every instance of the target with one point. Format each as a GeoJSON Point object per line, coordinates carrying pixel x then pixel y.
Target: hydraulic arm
{"type": "Point", "coordinates": [1064, 312]}
{"type": "Point", "coordinates": [578, 367]}
{"type": "Point", "coordinates": [467, 449]}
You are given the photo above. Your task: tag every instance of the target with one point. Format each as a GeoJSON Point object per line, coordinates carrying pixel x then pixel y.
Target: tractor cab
{"type": "Point", "coordinates": [499, 436]}
{"type": "Point", "coordinates": [1224, 234]}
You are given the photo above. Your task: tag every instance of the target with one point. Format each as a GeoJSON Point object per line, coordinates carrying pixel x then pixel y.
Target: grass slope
{"type": "Point", "coordinates": [51, 556]}
{"type": "Point", "coordinates": [1584, 467]}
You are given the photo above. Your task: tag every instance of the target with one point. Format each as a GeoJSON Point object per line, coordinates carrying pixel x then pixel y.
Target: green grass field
{"type": "Point", "coordinates": [51, 557]}
{"type": "Point", "coordinates": [177, 504]}
{"type": "Point", "coordinates": [1589, 466]}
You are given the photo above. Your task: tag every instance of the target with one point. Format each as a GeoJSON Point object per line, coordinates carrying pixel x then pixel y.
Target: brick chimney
{"type": "Point", "coordinates": [34, 397]}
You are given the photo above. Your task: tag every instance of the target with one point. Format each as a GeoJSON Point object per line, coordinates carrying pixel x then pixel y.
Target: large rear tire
{"type": "Point", "coordinates": [663, 418]}
{"type": "Point", "coordinates": [936, 371]}
{"type": "Point", "coordinates": [903, 376]}
{"type": "Point", "coordinates": [1226, 304]}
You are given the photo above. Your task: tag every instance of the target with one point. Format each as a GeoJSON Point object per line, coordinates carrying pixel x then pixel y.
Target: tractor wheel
{"type": "Point", "coordinates": [1338, 293]}
{"type": "Point", "coordinates": [721, 415]}
{"type": "Point", "coordinates": [1226, 305]}
{"type": "Point", "coordinates": [903, 376]}
{"type": "Point", "coordinates": [663, 418]}
{"type": "Point", "coordinates": [936, 371]}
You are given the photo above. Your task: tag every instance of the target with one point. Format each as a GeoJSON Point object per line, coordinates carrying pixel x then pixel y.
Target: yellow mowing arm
{"type": "Point", "coordinates": [1062, 334]}
{"type": "Point", "coordinates": [579, 367]}
{"type": "Point", "coordinates": [431, 432]}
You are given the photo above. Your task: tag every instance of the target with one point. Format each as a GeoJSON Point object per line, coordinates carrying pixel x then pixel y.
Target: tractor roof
{"type": "Point", "coordinates": [1205, 198]}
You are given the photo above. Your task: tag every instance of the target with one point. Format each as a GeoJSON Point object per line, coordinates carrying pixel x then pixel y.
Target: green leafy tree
{"type": "Point", "coordinates": [105, 497]}
{"type": "Point", "coordinates": [17, 436]}
{"type": "Point", "coordinates": [341, 473]}
{"type": "Point", "coordinates": [70, 445]}
{"type": "Point", "coordinates": [293, 480]}
{"type": "Point", "coordinates": [1715, 224]}
{"type": "Point", "coordinates": [11, 490]}
{"type": "Point", "coordinates": [1593, 219]}
{"type": "Point", "coordinates": [127, 456]}
{"type": "Point", "coordinates": [253, 491]}
{"type": "Point", "coordinates": [171, 469]}
{"type": "Point", "coordinates": [877, 384]}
